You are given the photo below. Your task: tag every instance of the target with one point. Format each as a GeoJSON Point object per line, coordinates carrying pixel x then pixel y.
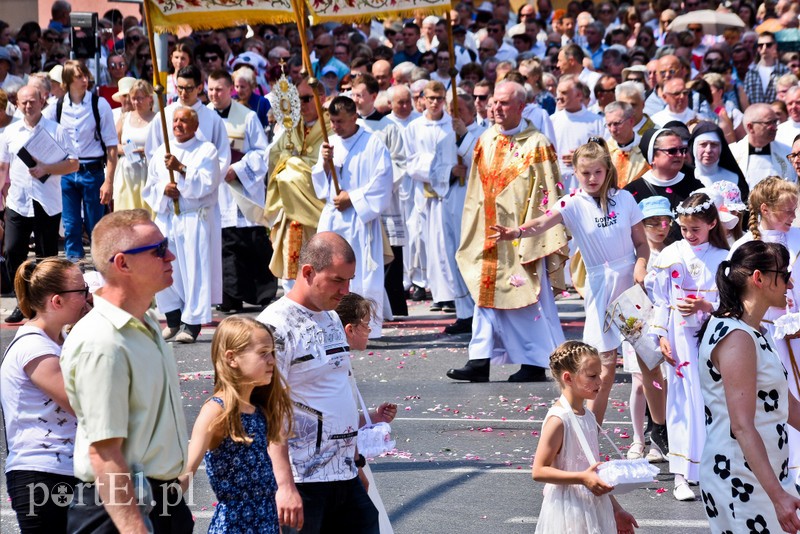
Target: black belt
{"type": "Point", "coordinates": [93, 165]}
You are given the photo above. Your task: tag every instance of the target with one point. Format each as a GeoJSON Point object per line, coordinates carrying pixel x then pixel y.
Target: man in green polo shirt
{"type": "Point", "coordinates": [122, 382]}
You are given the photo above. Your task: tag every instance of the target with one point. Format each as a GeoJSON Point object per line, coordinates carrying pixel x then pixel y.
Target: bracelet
{"type": "Point", "coordinates": [519, 235]}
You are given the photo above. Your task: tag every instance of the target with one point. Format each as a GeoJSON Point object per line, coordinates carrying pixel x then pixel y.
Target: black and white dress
{"type": "Point", "coordinates": [734, 500]}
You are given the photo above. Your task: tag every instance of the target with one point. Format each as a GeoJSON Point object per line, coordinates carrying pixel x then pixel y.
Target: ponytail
{"type": "Point", "coordinates": [733, 275]}
{"type": "Point", "coordinates": [37, 280]}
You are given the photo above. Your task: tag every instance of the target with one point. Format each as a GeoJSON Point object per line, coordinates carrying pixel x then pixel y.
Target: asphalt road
{"type": "Point", "coordinates": [464, 451]}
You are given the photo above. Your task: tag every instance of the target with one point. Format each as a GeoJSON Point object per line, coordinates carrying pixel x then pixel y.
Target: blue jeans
{"type": "Point", "coordinates": [333, 507]}
{"type": "Point", "coordinates": [82, 187]}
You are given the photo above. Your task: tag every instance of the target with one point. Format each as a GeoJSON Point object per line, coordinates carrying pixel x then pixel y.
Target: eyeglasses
{"type": "Point", "coordinates": [481, 97]}
{"type": "Point", "coordinates": [186, 88]}
{"type": "Point", "coordinates": [785, 274]}
{"type": "Point", "coordinates": [160, 250]}
{"type": "Point", "coordinates": [133, 38]}
{"type": "Point", "coordinates": [670, 72]}
{"type": "Point", "coordinates": [674, 151]}
{"type": "Point", "coordinates": [305, 99]}
{"type": "Point", "coordinates": [321, 46]}
{"type": "Point", "coordinates": [677, 94]}
{"type": "Point", "coordinates": [53, 39]}
{"type": "Point", "coordinates": [658, 224]}
{"type": "Point", "coordinates": [209, 59]}
{"type": "Point", "coordinates": [605, 11]}
{"type": "Point", "coordinates": [114, 65]}
{"type": "Point", "coordinates": [486, 49]}
{"type": "Point", "coordinates": [427, 61]}
{"type": "Point", "coordinates": [773, 122]}
{"type": "Point", "coordinates": [792, 156]}
{"type": "Point", "coordinates": [434, 98]}
{"type": "Point", "coordinates": [84, 290]}
{"type": "Point", "coordinates": [616, 124]}
{"type": "Point", "coordinates": [696, 30]}
{"type": "Point", "coordinates": [766, 45]}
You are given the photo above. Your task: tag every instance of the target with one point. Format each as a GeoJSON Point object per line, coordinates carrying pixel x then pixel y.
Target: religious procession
{"type": "Point", "coordinates": [335, 164]}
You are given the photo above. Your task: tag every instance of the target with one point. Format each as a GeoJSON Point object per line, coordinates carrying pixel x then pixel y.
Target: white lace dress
{"type": "Point", "coordinates": [573, 509]}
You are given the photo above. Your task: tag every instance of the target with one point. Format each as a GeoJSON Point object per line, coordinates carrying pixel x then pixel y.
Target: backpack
{"type": "Point", "coordinates": [95, 113]}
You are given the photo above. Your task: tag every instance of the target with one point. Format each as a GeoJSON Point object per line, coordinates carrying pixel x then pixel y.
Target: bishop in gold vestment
{"type": "Point", "coordinates": [514, 178]}
{"type": "Point", "coordinates": [292, 208]}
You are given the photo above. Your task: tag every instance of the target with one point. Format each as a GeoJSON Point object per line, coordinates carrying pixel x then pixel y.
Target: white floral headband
{"type": "Point", "coordinates": [694, 209]}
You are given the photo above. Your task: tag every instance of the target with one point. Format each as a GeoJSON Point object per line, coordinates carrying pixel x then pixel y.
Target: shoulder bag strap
{"type": "Point", "coordinates": [581, 436]}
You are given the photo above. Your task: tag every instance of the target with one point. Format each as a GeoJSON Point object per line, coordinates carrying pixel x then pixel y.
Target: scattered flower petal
{"type": "Point", "coordinates": [657, 385]}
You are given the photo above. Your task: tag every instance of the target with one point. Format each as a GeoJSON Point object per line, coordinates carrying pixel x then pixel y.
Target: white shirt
{"type": "Point", "coordinates": [601, 237]}
{"type": "Point", "coordinates": [665, 115]}
{"type": "Point", "coordinates": [431, 152]}
{"type": "Point", "coordinates": [590, 78]}
{"type": "Point", "coordinates": [24, 188]}
{"type": "Point", "coordinates": [41, 434]}
{"type": "Point", "coordinates": [571, 131]}
{"type": "Point", "coordinates": [787, 132]}
{"type": "Point", "coordinates": [403, 123]}
{"type": "Point", "coordinates": [315, 362]}
{"type": "Point", "coordinates": [78, 121]}
{"type": "Point", "coordinates": [541, 120]}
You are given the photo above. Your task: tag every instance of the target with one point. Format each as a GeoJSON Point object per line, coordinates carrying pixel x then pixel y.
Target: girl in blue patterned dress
{"type": "Point", "coordinates": [249, 409]}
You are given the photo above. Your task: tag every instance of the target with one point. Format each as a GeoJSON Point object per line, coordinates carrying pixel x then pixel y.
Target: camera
{"type": "Point", "coordinates": [83, 34]}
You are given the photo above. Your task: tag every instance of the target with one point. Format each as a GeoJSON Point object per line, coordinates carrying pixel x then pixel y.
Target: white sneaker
{"type": "Point", "coordinates": [655, 456]}
{"type": "Point", "coordinates": [170, 332]}
{"type": "Point", "coordinates": [683, 492]}
{"type": "Point", "coordinates": [636, 451]}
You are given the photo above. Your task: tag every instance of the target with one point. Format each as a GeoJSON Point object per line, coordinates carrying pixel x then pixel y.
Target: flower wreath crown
{"type": "Point", "coordinates": [694, 209]}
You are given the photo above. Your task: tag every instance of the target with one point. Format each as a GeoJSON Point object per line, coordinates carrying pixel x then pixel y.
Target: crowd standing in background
{"type": "Point", "coordinates": [598, 147]}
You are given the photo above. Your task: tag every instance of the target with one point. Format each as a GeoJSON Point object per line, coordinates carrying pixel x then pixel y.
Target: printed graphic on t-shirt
{"type": "Point", "coordinates": [607, 220]}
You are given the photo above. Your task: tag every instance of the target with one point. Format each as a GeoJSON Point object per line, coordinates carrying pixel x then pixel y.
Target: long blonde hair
{"type": "Point", "coordinates": [597, 150]}
{"type": "Point", "coordinates": [235, 334]}
{"type": "Point", "coordinates": [769, 191]}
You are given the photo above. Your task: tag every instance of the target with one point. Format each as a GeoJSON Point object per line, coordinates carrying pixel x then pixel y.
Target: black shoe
{"type": "Point", "coordinates": [461, 326]}
{"type": "Point", "coordinates": [529, 373]}
{"type": "Point", "coordinates": [15, 317]}
{"type": "Point", "coordinates": [229, 311]}
{"type": "Point", "coordinates": [417, 293]}
{"type": "Point", "coordinates": [659, 436]}
{"type": "Point", "coordinates": [449, 307]}
{"type": "Point", "coordinates": [474, 371]}
{"type": "Point", "coordinates": [436, 306]}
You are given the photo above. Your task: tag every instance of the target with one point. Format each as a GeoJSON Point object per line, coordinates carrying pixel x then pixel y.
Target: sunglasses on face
{"type": "Point", "coordinates": [481, 97]}
{"type": "Point", "coordinates": [766, 45]}
{"type": "Point", "coordinates": [159, 249]}
{"type": "Point", "coordinates": [674, 151]}
{"type": "Point", "coordinates": [133, 39]}
{"type": "Point", "coordinates": [209, 59]}
{"type": "Point", "coordinates": [305, 99]}
{"type": "Point", "coordinates": [785, 274]}
{"type": "Point", "coordinates": [84, 290]}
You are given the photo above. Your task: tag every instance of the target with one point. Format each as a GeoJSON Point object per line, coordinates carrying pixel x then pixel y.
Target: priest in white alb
{"type": "Point", "coordinates": [195, 233]}
{"type": "Point", "coordinates": [364, 170]}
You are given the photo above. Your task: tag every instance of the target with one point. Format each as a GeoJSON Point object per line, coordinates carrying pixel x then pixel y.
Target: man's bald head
{"type": "Point", "coordinates": [382, 71]}
{"type": "Point", "coordinates": [320, 251]}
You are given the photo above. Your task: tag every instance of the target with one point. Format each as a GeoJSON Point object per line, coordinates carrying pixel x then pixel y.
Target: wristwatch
{"type": "Point", "coordinates": [361, 461]}
{"type": "Point", "coordinates": [182, 170]}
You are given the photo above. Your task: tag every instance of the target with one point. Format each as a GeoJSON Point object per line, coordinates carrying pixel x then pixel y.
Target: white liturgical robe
{"type": "Point", "coordinates": [364, 169]}
{"type": "Point", "coordinates": [195, 234]}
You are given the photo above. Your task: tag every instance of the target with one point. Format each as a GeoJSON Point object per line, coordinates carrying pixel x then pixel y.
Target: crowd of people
{"type": "Point", "coordinates": [595, 147]}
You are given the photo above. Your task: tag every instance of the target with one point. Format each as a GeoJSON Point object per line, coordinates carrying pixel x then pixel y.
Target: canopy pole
{"type": "Point", "coordinates": [453, 73]}
{"type": "Point", "coordinates": [159, 95]}
{"type": "Point", "coordinates": [314, 83]}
